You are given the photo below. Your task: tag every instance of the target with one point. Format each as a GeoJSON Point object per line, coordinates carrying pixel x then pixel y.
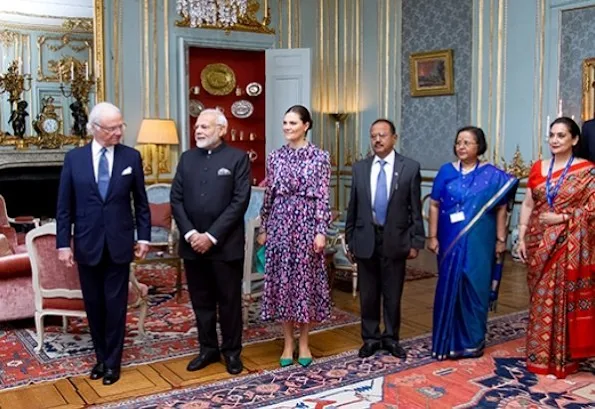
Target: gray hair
{"type": "Point", "coordinates": [99, 111]}
{"type": "Point", "coordinates": [220, 118]}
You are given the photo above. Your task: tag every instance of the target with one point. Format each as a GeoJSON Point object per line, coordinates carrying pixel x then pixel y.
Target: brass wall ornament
{"type": "Point", "coordinates": [84, 25]}
{"type": "Point", "coordinates": [59, 43]}
{"type": "Point", "coordinates": [218, 79]}
{"type": "Point", "coordinates": [517, 166]}
{"type": "Point", "coordinates": [249, 22]}
{"type": "Point", "coordinates": [14, 82]}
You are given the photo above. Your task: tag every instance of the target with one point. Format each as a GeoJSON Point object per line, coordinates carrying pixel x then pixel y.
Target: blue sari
{"type": "Point", "coordinates": [467, 256]}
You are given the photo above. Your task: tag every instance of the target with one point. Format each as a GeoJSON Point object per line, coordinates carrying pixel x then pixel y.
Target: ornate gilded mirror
{"type": "Point", "coordinates": [51, 71]}
{"type": "Point", "coordinates": [588, 89]}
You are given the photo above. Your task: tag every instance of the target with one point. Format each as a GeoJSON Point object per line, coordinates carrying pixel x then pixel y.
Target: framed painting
{"type": "Point", "coordinates": [431, 73]}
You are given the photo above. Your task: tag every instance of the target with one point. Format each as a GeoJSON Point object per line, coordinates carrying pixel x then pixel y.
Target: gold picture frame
{"type": "Point", "coordinates": [431, 73]}
{"type": "Point", "coordinates": [588, 89]}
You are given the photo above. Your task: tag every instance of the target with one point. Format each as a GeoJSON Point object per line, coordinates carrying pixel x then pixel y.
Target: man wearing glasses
{"type": "Point", "coordinates": [383, 229]}
{"type": "Point", "coordinates": [96, 184]}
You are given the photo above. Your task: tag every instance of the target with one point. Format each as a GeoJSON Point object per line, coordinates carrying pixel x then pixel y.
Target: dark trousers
{"type": "Point", "coordinates": [380, 276]}
{"type": "Point", "coordinates": [105, 293]}
{"type": "Point", "coordinates": [213, 284]}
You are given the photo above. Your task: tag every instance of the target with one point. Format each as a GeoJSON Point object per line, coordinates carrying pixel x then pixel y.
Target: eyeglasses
{"type": "Point", "coordinates": [464, 143]}
{"type": "Point", "coordinates": [112, 129]}
{"type": "Point", "coordinates": [379, 135]}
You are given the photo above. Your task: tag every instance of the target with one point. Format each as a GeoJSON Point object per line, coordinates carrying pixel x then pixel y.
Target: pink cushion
{"type": "Point", "coordinates": [160, 215]}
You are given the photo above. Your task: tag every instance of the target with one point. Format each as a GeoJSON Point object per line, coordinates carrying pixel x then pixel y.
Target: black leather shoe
{"type": "Point", "coordinates": [203, 360]}
{"type": "Point", "coordinates": [111, 376]}
{"type": "Point", "coordinates": [395, 350]}
{"type": "Point", "coordinates": [368, 349]}
{"type": "Point", "coordinates": [97, 371]}
{"type": "Point", "coordinates": [234, 364]}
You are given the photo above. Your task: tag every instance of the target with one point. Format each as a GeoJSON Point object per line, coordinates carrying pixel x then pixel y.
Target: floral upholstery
{"type": "Point", "coordinates": [56, 287]}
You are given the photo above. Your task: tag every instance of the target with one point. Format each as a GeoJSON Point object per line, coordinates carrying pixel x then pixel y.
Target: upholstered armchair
{"type": "Point", "coordinates": [164, 233]}
{"type": "Point", "coordinates": [7, 221]}
{"type": "Point", "coordinates": [16, 292]}
{"type": "Point", "coordinates": [57, 289]}
{"type": "Point", "coordinates": [253, 281]}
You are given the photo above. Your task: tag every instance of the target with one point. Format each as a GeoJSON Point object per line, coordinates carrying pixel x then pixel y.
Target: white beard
{"type": "Point", "coordinates": [205, 143]}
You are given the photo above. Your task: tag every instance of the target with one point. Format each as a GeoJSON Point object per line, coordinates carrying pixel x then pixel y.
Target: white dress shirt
{"type": "Point", "coordinates": [96, 155]}
{"type": "Point", "coordinates": [96, 152]}
{"type": "Point", "coordinates": [389, 167]}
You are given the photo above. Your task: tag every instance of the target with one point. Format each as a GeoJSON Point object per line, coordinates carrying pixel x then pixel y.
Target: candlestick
{"type": "Point", "coordinates": [86, 70]}
{"type": "Point", "coordinates": [572, 117]}
{"type": "Point", "coordinates": [72, 71]}
{"type": "Point", "coordinates": [559, 108]}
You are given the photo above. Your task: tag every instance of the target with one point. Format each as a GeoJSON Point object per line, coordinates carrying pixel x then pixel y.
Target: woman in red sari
{"type": "Point", "coordinates": [557, 242]}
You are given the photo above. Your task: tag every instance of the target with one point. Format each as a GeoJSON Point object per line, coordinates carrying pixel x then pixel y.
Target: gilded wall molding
{"type": "Point", "coordinates": [7, 38]}
{"type": "Point", "coordinates": [588, 89]}
{"type": "Point", "coordinates": [84, 25]}
{"type": "Point", "coordinates": [98, 47]}
{"type": "Point", "coordinates": [56, 44]}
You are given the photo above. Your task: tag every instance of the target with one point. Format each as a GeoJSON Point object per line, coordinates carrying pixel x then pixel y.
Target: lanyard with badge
{"type": "Point", "coordinates": [552, 193]}
{"type": "Point", "coordinates": [459, 216]}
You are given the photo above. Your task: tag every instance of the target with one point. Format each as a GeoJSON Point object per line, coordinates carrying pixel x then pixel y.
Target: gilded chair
{"type": "Point", "coordinates": [164, 233]}
{"type": "Point", "coordinates": [57, 289]}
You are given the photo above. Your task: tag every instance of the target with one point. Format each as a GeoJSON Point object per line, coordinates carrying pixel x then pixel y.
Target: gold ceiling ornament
{"type": "Point", "coordinates": [218, 79]}
{"type": "Point", "coordinates": [248, 22]}
{"type": "Point", "coordinates": [7, 38]}
{"type": "Point", "coordinates": [517, 166]}
{"type": "Point", "coordinates": [78, 24]}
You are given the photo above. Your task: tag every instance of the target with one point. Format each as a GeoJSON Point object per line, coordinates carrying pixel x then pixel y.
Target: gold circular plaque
{"type": "Point", "coordinates": [218, 79]}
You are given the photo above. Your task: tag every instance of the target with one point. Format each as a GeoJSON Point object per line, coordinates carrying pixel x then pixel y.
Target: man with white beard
{"type": "Point", "coordinates": [209, 196]}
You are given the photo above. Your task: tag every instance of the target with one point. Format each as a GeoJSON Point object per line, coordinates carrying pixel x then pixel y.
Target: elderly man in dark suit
{"type": "Point", "coordinates": [209, 196]}
{"type": "Point", "coordinates": [383, 229]}
{"type": "Point", "coordinates": [96, 184]}
{"type": "Point", "coordinates": [588, 140]}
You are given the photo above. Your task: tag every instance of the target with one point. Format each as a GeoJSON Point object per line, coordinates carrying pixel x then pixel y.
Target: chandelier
{"type": "Point", "coordinates": [222, 13]}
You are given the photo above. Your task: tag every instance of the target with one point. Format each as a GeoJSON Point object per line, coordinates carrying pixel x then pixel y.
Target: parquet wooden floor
{"type": "Point", "coordinates": [158, 377]}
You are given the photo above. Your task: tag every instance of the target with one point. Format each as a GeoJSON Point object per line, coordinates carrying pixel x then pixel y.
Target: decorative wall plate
{"type": "Point", "coordinates": [195, 107]}
{"type": "Point", "coordinates": [242, 109]}
{"type": "Point", "coordinates": [254, 89]}
{"type": "Point", "coordinates": [218, 79]}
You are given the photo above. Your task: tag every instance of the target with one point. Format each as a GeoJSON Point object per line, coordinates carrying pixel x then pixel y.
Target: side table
{"type": "Point", "coordinates": [160, 257]}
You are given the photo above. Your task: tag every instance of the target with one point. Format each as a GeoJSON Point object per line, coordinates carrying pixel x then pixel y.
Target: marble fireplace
{"type": "Point", "coordinates": [29, 181]}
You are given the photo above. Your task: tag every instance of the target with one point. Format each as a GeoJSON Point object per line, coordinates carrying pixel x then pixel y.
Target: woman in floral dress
{"type": "Point", "coordinates": [294, 218]}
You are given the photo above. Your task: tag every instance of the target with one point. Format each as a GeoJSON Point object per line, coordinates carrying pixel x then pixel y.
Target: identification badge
{"type": "Point", "coordinates": [457, 217]}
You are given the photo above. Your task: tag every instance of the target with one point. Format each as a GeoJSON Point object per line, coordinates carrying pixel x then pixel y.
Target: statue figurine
{"type": "Point", "coordinates": [18, 118]}
{"type": "Point", "coordinates": [80, 119]}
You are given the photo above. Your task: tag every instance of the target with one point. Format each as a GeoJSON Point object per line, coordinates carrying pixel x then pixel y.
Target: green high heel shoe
{"type": "Point", "coordinates": [305, 361]}
{"type": "Point", "coordinates": [283, 362]}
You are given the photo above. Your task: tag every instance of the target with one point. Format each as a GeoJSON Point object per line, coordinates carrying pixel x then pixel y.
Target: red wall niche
{"type": "Point", "coordinates": [248, 66]}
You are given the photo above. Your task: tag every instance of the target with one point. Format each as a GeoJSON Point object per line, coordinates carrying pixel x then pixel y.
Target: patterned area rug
{"type": "Point", "coordinates": [170, 332]}
{"type": "Point", "coordinates": [498, 380]}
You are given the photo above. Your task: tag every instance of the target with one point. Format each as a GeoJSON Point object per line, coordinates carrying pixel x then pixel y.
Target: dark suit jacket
{"type": "Point", "coordinates": [403, 228]}
{"type": "Point", "coordinates": [98, 223]}
{"type": "Point", "coordinates": [588, 141]}
{"type": "Point", "coordinates": [210, 193]}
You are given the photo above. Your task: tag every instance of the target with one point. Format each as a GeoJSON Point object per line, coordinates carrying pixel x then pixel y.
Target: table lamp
{"type": "Point", "coordinates": [158, 133]}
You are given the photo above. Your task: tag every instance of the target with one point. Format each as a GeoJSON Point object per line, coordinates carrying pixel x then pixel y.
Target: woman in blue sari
{"type": "Point", "coordinates": [467, 231]}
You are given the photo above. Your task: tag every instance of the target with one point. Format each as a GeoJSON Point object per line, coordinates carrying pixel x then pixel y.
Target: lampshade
{"type": "Point", "coordinates": [158, 132]}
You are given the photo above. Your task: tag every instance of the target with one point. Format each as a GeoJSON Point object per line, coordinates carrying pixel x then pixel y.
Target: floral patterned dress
{"type": "Point", "coordinates": [295, 210]}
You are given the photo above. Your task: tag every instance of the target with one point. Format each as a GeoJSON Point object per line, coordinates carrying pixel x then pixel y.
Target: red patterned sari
{"type": "Point", "coordinates": [561, 273]}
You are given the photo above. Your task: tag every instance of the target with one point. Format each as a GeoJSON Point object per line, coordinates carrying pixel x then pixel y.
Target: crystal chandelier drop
{"type": "Point", "coordinates": [223, 13]}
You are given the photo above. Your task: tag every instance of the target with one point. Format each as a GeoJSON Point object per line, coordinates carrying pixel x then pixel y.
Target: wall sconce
{"type": "Point", "coordinates": [159, 133]}
{"type": "Point", "coordinates": [339, 118]}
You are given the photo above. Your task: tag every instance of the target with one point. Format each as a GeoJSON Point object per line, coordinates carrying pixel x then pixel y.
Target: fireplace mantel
{"type": "Point", "coordinates": [31, 158]}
